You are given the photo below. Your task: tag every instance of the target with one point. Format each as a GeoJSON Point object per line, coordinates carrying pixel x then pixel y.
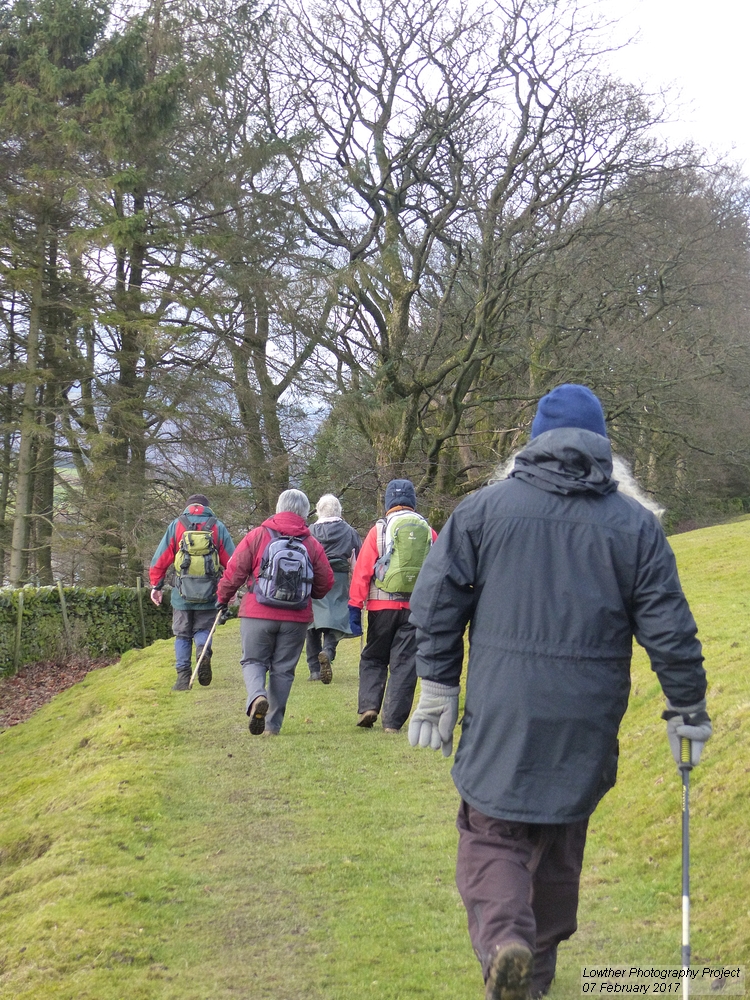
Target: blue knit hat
{"type": "Point", "coordinates": [400, 493]}
{"type": "Point", "coordinates": [569, 406]}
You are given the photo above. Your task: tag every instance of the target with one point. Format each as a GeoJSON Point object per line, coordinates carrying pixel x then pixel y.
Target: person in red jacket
{"type": "Point", "coordinates": [274, 617]}
{"type": "Point", "coordinates": [391, 638]}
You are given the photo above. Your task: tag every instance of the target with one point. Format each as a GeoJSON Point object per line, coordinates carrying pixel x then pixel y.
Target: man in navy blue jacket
{"type": "Point", "coordinates": [556, 571]}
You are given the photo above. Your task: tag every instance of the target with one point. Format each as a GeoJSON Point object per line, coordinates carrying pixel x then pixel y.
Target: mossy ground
{"type": "Point", "coordinates": [151, 848]}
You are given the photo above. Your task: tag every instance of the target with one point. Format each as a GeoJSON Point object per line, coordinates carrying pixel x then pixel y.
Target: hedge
{"type": "Point", "coordinates": [101, 621]}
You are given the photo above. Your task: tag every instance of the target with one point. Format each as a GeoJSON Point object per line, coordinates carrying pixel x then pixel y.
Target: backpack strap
{"type": "Point", "coordinates": [381, 524]}
{"type": "Point", "coordinates": [273, 535]}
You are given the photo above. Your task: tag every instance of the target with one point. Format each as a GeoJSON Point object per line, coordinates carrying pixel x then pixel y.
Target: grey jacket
{"type": "Point", "coordinates": [342, 544]}
{"type": "Point", "coordinates": [339, 540]}
{"type": "Point", "coordinates": [556, 572]}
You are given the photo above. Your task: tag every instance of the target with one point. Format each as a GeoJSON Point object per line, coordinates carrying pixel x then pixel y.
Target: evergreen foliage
{"type": "Point", "coordinates": [240, 249]}
{"type": "Point", "coordinates": [102, 622]}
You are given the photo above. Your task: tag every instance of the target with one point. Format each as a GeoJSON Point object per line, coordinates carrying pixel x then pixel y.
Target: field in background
{"type": "Point", "coordinates": [150, 848]}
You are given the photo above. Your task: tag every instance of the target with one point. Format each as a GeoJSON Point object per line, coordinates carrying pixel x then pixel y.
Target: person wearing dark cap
{"type": "Point", "coordinates": [383, 579]}
{"type": "Point", "coordinates": [556, 570]}
{"type": "Point", "coordinates": [193, 597]}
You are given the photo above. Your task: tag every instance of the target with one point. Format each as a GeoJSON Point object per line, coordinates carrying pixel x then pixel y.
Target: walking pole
{"type": "Point", "coordinates": [685, 769]}
{"type": "Point", "coordinates": [205, 647]}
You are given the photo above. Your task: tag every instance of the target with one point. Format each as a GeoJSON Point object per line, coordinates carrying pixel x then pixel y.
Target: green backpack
{"type": "Point", "coordinates": [196, 563]}
{"type": "Point", "coordinates": [404, 539]}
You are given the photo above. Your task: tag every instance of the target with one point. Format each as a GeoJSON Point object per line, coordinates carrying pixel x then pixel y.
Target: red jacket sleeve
{"type": "Point", "coordinates": [164, 556]}
{"type": "Point", "coordinates": [322, 572]}
{"type": "Point", "coordinates": [241, 564]}
{"type": "Point", "coordinates": [364, 569]}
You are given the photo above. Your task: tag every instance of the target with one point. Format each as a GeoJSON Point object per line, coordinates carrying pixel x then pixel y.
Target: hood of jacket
{"type": "Point", "coordinates": [288, 523]}
{"type": "Point", "coordinates": [336, 536]}
{"type": "Point", "coordinates": [567, 460]}
{"type": "Point", "coordinates": [199, 511]}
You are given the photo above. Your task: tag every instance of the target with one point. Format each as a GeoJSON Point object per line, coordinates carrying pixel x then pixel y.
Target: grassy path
{"type": "Point", "coordinates": [150, 848]}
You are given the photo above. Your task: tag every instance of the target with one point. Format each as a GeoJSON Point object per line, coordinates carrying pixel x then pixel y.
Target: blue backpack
{"type": "Point", "coordinates": [286, 573]}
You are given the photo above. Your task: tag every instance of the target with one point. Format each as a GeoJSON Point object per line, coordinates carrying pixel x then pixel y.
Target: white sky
{"type": "Point", "coordinates": [702, 48]}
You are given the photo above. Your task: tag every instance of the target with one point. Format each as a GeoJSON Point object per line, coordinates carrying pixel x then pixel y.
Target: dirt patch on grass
{"type": "Point", "coordinates": [37, 683]}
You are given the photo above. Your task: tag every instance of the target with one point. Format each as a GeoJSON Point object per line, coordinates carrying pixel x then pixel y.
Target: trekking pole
{"type": "Point", "coordinates": [206, 645]}
{"type": "Point", "coordinates": [685, 769]}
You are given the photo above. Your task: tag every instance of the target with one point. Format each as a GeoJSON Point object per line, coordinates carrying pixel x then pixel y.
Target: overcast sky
{"type": "Point", "coordinates": [703, 48]}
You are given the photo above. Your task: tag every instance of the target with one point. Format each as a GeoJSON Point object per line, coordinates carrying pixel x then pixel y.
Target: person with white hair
{"type": "Point", "coordinates": [555, 569]}
{"type": "Point", "coordinates": [285, 569]}
{"type": "Point", "coordinates": [341, 544]}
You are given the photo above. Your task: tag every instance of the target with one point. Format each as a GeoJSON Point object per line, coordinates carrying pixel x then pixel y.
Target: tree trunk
{"type": "Point", "coordinates": [7, 458]}
{"type": "Point", "coordinates": [44, 488]}
{"type": "Point", "coordinates": [19, 552]}
{"type": "Point", "coordinates": [121, 473]}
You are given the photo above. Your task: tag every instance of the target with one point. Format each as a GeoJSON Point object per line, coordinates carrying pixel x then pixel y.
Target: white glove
{"type": "Point", "coordinates": [435, 717]}
{"type": "Point", "coordinates": [691, 723]}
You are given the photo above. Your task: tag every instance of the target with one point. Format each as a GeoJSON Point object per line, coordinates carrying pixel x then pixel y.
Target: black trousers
{"type": "Point", "coordinates": [519, 883]}
{"type": "Point", "coordinates": [391, 643]}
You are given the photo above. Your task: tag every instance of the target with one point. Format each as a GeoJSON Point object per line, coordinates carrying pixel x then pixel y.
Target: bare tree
{"type": "Point", "coordinates": [447, 149]}
{"type": "Point", "coordinates": [646, 300]}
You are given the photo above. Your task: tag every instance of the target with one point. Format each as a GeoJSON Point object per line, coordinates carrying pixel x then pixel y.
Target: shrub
{"type": "Point", "coordinates": [102, 621]}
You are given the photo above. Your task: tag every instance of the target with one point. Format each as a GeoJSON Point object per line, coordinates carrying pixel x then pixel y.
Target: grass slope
{"type": "Point", "coordinates": [150, 848]}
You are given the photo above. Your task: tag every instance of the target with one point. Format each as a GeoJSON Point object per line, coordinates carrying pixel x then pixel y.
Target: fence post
{"type": "Point", "coordinates": [139, 588]}
{"type": "Point", "coordinates": [66, 624]}
{"type": "Point", "coordinates": [19, 625]}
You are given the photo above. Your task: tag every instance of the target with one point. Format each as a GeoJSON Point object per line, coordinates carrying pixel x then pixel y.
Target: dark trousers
{"type": "Point", "coordinates": [317, 640]}
{"type": "Point", "coordinates": [391, 642]}
{"type": "Point", "coordinates": [519, 883]}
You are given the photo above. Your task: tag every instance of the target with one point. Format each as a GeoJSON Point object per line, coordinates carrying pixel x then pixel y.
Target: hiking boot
{"type": "Point", "coordinates": [326, 674]}
{"type": "Point", "coordinates": [314, 675]}
{"type": "Point", "coordinates": [183, 681]}
{"type": "Point", "coordinates": [367, 719]}
{"type": "Point", "coordinates": [510, 973]}
{"type": "Point", "coordinates": [257, 713]}
{"type": "Point", "coordinates": [204, 670]}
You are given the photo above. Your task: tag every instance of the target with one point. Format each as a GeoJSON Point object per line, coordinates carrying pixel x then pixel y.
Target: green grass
{"type": "Point", "coordinates": [151, 848]}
